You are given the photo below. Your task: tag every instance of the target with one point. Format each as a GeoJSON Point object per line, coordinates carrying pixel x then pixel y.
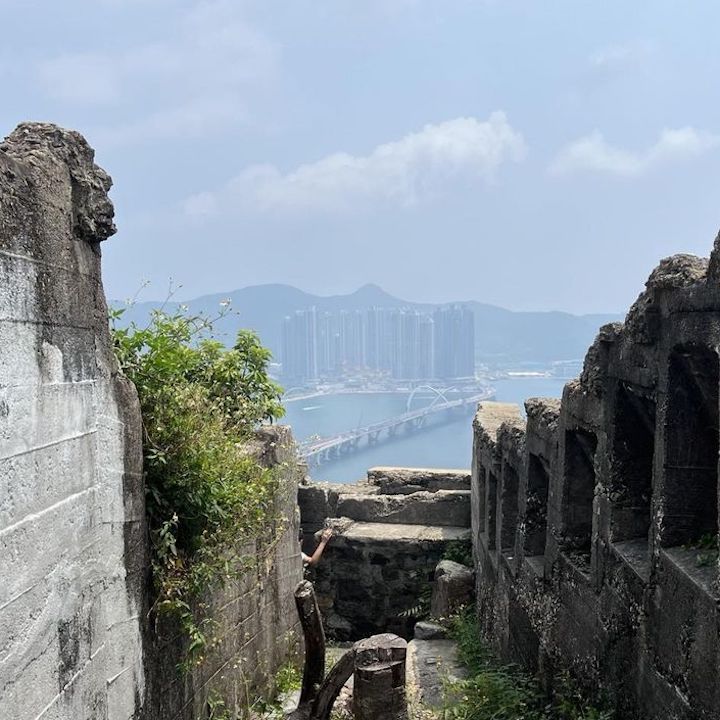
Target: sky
{"type": "Point", "coordinates": [536, 155]}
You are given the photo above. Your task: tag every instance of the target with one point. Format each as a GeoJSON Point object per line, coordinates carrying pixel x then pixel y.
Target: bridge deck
{"type": "Point", "coordinates": [309, 449]}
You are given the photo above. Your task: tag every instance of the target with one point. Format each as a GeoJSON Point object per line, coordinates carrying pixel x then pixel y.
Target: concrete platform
{"type": "Point", "coordinates": [430, 665]}
{"type": "Point", "coordinates": [384, 532]}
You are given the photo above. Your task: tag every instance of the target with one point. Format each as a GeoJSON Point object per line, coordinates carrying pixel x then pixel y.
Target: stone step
{"type": "Point", "coordinates": [405, 480]}
{"type": "Point", "coordinates": [364, 502]}
{"type": "Point", "coordinates": [374, 532]}
{"type": "Point", "coordinates": [431, 664]}
{"type": "Point", "coordinates": [443, 507]}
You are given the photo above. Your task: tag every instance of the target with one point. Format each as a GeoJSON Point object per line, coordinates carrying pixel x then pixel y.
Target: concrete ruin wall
{"type": "Point", "coordinates": [595, 519]}
{"type": "Point", "coordinates": [254, 626]}
{"type": "Point", "coordinates": [72, 536]}
{"type": "Point", "coordinates": [391, 532]}
{"type": "Point", "coordinates": [76, 638]}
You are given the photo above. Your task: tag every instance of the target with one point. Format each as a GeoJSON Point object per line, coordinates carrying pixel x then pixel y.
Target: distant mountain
{"type": "Point", "coordinates": [501, 336]}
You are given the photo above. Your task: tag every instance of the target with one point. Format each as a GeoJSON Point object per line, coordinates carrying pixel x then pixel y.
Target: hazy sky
{"type": "Point", "coordinates": [532, 154]}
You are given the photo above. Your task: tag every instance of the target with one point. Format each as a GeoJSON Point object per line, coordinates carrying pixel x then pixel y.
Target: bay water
{"type": "Point", "coordinates": [446, 445]}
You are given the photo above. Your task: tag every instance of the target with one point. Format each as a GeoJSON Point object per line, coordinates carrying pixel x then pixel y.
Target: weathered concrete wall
{"type": "Point", "coordinates": [72, 537]}
{"type": "Point", "coordinates": [375, 573]}
{"type": "Point", "coordinates": [595, 522]}
{"type": "Point", "coordinates": [75, 641]}
{"type": "Point", "coordinates": [254, 623]}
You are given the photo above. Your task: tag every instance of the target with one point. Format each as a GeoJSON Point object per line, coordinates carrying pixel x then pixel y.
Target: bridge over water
{"type": "Point", "coordinates": [317, 451]}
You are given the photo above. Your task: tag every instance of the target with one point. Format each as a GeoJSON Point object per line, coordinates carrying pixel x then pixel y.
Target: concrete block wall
{"type": "Point", "coordinates": [72, 535]}
{"type": "Point", "coordinates": [254, 626]}
{"type": "Point", "coordinates": [590, 517]}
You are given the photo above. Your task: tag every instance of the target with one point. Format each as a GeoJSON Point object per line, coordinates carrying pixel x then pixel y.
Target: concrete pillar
{"type": "Point", "coordinates": [379, 683]}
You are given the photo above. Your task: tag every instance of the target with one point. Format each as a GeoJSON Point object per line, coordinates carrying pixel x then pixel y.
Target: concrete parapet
{"type": "Point", "coordinates": [595, 526]}
{"type": "Point", "coordinates": [429, 631]}
{"type": "Point", "coordinates": [432, 665]}
{"type": "Point", "coordinates": [316, 501]}
{"type": "Point", "coordinates": [491, 415]}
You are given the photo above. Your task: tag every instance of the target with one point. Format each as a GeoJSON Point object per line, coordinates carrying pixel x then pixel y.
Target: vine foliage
{"type": "Point", "coordinates": [200, 403]}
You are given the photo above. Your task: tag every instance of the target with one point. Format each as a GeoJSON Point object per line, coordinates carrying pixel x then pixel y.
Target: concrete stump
{"type": "Point", "coordinates": [379, 682]}
{"type": "Point", "coordinates": [452, 588]}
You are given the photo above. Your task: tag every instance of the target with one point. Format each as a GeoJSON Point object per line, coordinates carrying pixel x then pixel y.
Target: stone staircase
{"type": "Point", "coordinates": [391, 531]}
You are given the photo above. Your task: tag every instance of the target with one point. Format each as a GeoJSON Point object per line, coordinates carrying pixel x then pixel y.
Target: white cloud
{"type": "Point", "coordinates": [619, 57]}
{"type": "Point", "coordinates": [593, 154]}
{"type": "Point", "coordinates": [194, 76]}
{"type": "Point", "coordinates": [401, 172]}
{"type": "Point", "coordinates": [204, 203]}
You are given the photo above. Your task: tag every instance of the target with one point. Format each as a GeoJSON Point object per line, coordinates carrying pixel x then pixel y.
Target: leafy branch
{"type": "Point", "coordinates": [200, 403]}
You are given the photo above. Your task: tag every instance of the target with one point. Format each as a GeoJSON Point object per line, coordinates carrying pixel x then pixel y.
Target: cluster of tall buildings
{"type": "Point", "coordinates": [402, 343]}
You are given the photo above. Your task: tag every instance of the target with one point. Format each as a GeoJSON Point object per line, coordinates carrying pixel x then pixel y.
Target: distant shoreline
{"type": "Point", "coordinates": [344, 391]}
{"type": "Point", "coordinates": [512, 376]}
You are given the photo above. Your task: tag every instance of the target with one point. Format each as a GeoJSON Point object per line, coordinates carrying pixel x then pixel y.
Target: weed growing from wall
{"type": "Point", "coordinates": [707, 550]}
{"type": "Point", "coordinates": [200, 403]}
{"type": "Point", "coordinates": [286, 681]}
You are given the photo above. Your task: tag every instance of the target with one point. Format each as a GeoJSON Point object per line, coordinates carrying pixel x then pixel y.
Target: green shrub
{"type": "Point", "coordinates": [200, 402]}
{"type": "Point", "coordinates": [494, 691]}
{"type": "Point", "coordinates": [288, 678]}
{"type": "Point", "coordinates": [473, 653]}
{"type": "Point", "coordinates": [459, 551]}
{"type": "Point", "coordinates": [495, 695]}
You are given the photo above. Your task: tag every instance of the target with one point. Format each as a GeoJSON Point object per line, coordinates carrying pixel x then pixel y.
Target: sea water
{"type": "Point", "coordinates": [446, 445]}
